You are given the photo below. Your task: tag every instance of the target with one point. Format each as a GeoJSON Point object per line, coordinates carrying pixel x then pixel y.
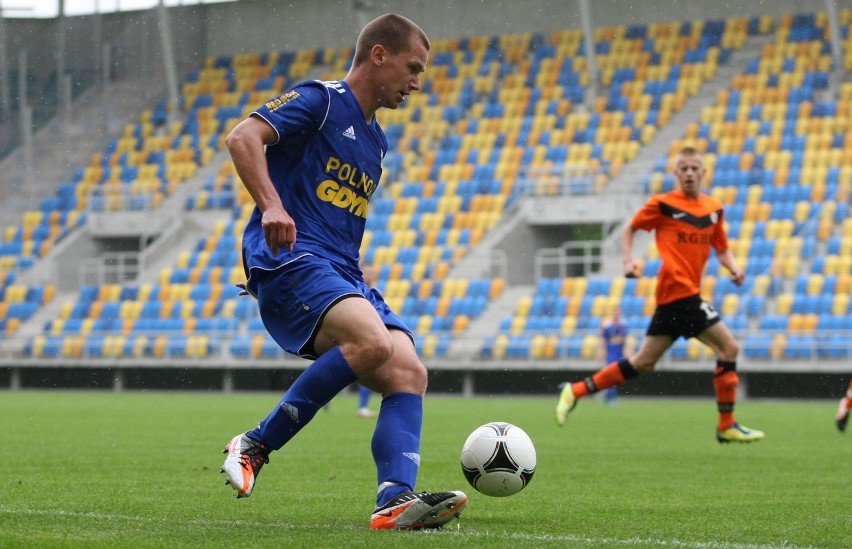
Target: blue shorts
{"type": "Point", "coordinates": [295, 297]}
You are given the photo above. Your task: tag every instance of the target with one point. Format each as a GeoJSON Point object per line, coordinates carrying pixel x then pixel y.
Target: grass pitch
{"type": "Point", "coordinates": [89, 469]}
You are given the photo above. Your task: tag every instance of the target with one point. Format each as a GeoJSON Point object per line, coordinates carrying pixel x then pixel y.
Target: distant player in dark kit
{"type": "Point", "coordinates": [687, 224]}
{"type": "Point", "coordinates": [843, 409]}
{"type": "Point", "coordinates": [612, 348]}
{"type": "Point", "coordinates": [311, 160]}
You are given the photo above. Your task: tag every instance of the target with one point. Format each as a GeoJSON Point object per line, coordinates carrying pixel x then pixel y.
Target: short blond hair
{"type": "Point", "coordinates": [689, 151]}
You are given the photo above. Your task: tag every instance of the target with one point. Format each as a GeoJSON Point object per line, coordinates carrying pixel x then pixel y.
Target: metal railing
{"type": "Point", "coordinates": [557, 180]}
{"type": "Point", "coordinates": [569, 259]}
{"type": "Point", "coordinates": [110, 268]}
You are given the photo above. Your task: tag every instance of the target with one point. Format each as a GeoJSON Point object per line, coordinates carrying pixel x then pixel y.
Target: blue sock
{"type": "Point", "coordinates": [396, 444]}
{"type": "Point", "coordinates": [363, 396]}
{"type": "Point", "coordinates": [318, 384]}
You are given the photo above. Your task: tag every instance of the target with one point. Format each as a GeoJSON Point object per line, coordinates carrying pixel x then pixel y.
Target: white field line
{"type": "Point", "coordinates": [455, 529]}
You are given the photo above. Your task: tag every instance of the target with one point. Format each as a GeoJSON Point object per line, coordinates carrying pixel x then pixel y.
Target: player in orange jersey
{"type": "Point", "coordinates": [843, 409]}
{"type": "Point", "coordinates": [687, 224]}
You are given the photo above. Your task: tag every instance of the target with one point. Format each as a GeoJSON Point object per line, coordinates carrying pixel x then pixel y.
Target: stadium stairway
{"type": "Point", "coordinates": [192, 225]}
{"type": "Point", "coordinates": [181, 227]}
{"type": "Point", "coordinates": [184, 236]}
{"type": "Point", "coordinates": [483, 259]}
{"type": "Point", "coordinates": [77, 139]}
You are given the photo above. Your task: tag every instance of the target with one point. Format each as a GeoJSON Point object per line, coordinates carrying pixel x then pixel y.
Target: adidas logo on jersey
{"type": "Point", "coordinates": [350, 133]}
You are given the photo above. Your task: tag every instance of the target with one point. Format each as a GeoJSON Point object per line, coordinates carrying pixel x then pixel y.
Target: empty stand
{"type": "Point", "coordinates": [498, 119]}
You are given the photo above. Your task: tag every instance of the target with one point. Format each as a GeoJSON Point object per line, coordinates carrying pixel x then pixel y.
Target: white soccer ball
{"type": "Point", "coordinates": [498, 459]}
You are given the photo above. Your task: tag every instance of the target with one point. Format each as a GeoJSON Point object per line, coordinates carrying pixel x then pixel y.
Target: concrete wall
{"type": "Point", "coordinates": [480, 382]}
{"type": "Point", "coordinates": [133, 39]}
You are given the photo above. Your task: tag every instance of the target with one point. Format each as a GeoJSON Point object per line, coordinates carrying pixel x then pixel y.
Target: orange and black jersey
{"type": "Point", "coordinates": [686, 228]}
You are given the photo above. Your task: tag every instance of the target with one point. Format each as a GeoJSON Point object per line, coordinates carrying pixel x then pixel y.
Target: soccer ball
{"type": "Point", "coordinates": [498, 459]}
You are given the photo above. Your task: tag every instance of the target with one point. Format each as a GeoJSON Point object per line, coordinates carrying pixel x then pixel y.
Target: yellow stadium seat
{"type": "Point", "coordinates": [519, 324]}
{"type": "Point", "coordinates": [524, 306]}
{"type": "Point", "coordinates": [496, 288]}
{"type": "Point", "coordinates": [256, 346]}
{"type": "Point", "coordinates": [649, 306]}
{"type": "Point", "coordinates": [537, 346]}
{"type": "Point", "coordinates": [815, 284]}
{"type": "Point", "coordinates": [589, 347]}
{"type": "Point", "coordinates": [72, 347]}
{"type": "Point", "coordinates": [708, 286]}
{"type": "Point", "coordinates": [197, 346]}
{"type": "Point", "coordinates": [778, 346]}
{"type": "Point", "coordinates": [86, 327]}
{"type": "Point", "coordinates": [761, 285]}
{"type": "Point", "coordinates": [784, 303]}
{"type": "Point", "coordinates": [796, 323]}
{"type": "Point", "coordinates": [424, 324]}
{"type": "Point", "coordinates": [730, 304]}
{"type": "Point", "coordinates": [599, 305]}
{"type": "Point", "coordinates": [460, 324]}
{"type": "Point", "coordinates": [809, 323]}
{"type": "Point", "coordinates": [569, 324]}
{"type": "Point", "coordinates": [441, 270]}
{"type": "Point", "coordinates": [501, 343]}
{"type": "Point", "coordinates": [430, 346]}
{"type": "Point", "coordinates": [840, 304]}
{"type": "Point", "coordinates": [551, 346]}
{"type": "Point", "coordinates": [694, 349]}
{"type": "Point", "coordinates": [127, 325]}
{"type": "Point", "coordinates": [139, 344]}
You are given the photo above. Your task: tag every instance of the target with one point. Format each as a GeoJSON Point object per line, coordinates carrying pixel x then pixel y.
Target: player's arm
{"type": "Point", "coordinates": [646, 219]}
{"type": "Point", "coordinates": [631, 267]}
{"type": "Point", "coordinates": [728, 260]}
{"type": "Point", "coordinates": [246, 144]}
{"type": "Point", "coordinates": [724, 253]}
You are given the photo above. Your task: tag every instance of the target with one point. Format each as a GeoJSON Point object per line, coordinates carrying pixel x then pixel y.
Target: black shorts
{"type": "Point", "coordinates": [684, 318]}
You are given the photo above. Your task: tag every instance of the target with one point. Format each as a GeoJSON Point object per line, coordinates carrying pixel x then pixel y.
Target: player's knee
{"type": "Point", "coordinates": [419, 377]}
{"type": "Point", "coordinates": [643, 366]}
{"type": "Point", "coordinates": [373, 349]}
{"type": "Point", "coordinates": [729, 351]}
{"type": "Point", "coordinates": [643, 362]}
{"type": "Point", "coordinates": [403, 376]}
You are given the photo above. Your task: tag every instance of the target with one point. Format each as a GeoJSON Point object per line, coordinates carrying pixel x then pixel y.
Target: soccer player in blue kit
{"type": "Point", "coordinates": [613, 345]}
{"type": "Point", "coordinates": [311, 159]}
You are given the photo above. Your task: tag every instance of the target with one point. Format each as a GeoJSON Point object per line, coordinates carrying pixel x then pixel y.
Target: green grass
{"type": "Point", "coordinates": [87, 469]}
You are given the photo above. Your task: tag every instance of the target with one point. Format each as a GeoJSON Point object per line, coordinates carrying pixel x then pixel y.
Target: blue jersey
{"type": "Point", "coordinates": [614, 336]}
{"type": "Point", "coordinates": [325, 165]}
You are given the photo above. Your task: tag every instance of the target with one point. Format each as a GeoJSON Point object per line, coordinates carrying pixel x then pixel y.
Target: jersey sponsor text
{"type": "Point", "coordinates": [275, 104]}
